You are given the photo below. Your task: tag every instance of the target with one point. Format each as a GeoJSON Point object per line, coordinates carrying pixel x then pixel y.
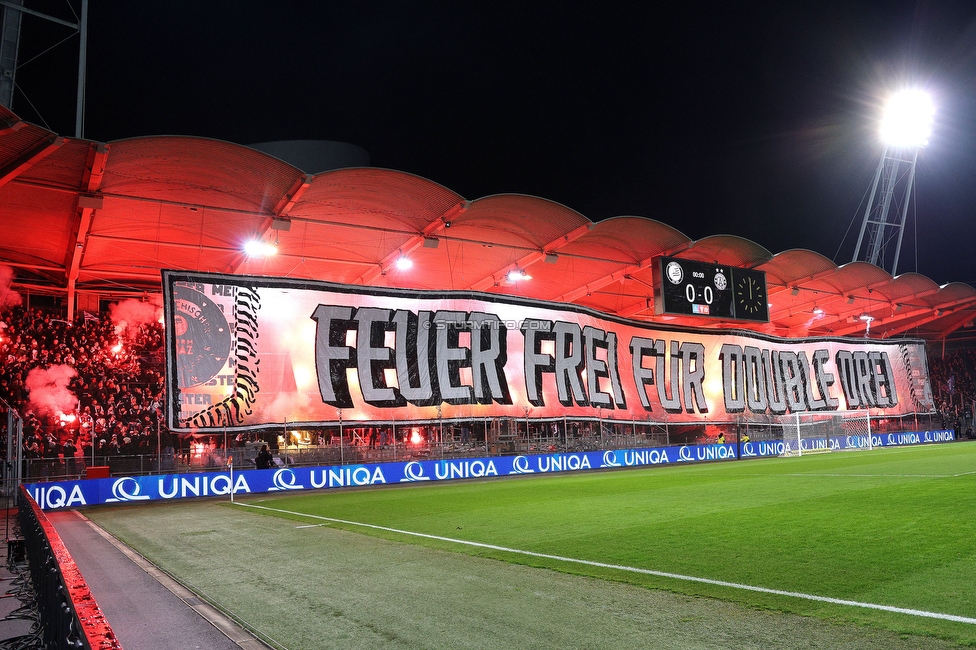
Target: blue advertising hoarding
{"type": "Point", "coordinates": [162, 487]}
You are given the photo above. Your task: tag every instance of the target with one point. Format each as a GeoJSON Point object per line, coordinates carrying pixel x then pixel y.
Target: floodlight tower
{"type": "Point", "coordinates": [905, 128]}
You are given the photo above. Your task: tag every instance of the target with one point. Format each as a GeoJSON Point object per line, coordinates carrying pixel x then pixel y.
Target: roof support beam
{"type": "Point", "coordinates": [29, 158]}
{"type": "Point", "coordinates": [11, 126]}
{"type": "Point", "coordinates": [799, 283]}
{"type": "Point", "coordinates": [530, 258]}
{"type": "Point", "coordinates": [32, 267]}
{"type": "Point", "coordinates": [929, 315]}
{"type": "Point", "coordinates": [830, 296]}
{"type": "Point", "coordinates": [610, 278]}
{"type": "Point", "coordinates": [292, 196]}
{"type": "Point", "coordinates": [912, 312]}
{"type": "Point", "coordinates": [219, 249]}
{"type": "Point", "coordinates": [964, 316]}
{"type": "Point", "coordinates": [415, 241]}
{"type": "Point", "coordinates": [87, 204]}
{"type": "Point", "coordinates": [285, 203]}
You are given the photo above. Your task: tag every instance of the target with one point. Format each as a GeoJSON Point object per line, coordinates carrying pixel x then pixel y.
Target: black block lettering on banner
{"type": "Point", "coordinates": [569, 364]}
{"type": "Point", "coordinates": [755, 377]}
{"type": "Point", "coordinates": [886, 380]}
{"type": "Point", "coordinates": [733, 379]}
{"type": "Point", "coordinates": [866, 385]}
{"type": "Point", "coordinates": [596, 368]}
{"type": "Point", "coordinates": [844, 361]}
{"type": "Point", "coordinates": [332, 356]}
{"type": "Point", "coordinates": [416, 373]}
{"type": "Point", "coordinates": [824, 379]}
{"type": "Point", "coordinates": [774, 382]}
{"type": "Point", "coordinates": [613, 367]}
{"type": "Point", "coordinates": [693, 354]}
{"type": "Point", "coordinates": [803, 367]}
{"type": "Point", "coordinates": [534, 361]}
{"type": "Point", "coordinates": [373, 357]}
{"type": "Point", "coordinates": [792, 382]}
{"type": "Point", "coordinates": [669, 391]}
{"type": "Point", "coordinates": [489, 353]}
{"type": "Point", "coordinates": [451, 356]}
{"type": "Point", "coordinates": [643, 377]}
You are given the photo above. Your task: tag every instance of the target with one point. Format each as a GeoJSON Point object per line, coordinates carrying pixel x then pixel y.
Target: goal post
{"type": "Point", "coordinates": [814, 433]}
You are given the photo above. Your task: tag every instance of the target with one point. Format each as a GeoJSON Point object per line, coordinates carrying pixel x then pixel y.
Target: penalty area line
{"type": "Point", "coordinates": [619, 567]}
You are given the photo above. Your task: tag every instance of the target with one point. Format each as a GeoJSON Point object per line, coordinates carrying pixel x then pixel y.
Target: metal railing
{"type": "Point", "coordinates": [69, 615]}
{"type": "Point", "coordinates": [499, 437]}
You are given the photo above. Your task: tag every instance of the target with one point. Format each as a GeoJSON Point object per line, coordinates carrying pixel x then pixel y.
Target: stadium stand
{"type": "Point", "coordinates": [94, 383]}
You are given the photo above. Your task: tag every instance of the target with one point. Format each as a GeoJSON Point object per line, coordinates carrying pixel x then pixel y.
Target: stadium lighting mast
{"type": "Point", "coordinates": [905, 128]}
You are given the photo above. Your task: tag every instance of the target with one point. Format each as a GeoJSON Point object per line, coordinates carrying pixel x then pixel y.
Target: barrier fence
{"type": "Point", "coordinates": [442, 440]}
{"type": "Point", "coordinates": [228, 482]}
{"type": "Point", "coordinates": [69, 615]}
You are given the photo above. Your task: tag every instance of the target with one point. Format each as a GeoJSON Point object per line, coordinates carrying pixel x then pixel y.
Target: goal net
{"type": "Point", "coordinates": [813, 433]}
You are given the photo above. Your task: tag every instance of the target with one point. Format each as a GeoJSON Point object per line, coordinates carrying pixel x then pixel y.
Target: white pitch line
{"type": "Point", "coordinates": [835, 475]}
{"type": "Point", "coordinates": [311, 526]}
{"type": "Point", "coordinates": [878, 475]}
{"type": "Point", "coordinates": [661, 574]}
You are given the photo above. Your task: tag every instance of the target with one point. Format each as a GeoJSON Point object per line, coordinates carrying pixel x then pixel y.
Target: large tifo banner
{"type": "Point", "coordinates": [250, 352]}
{"type": "Point", "coordinates": [140, 489]}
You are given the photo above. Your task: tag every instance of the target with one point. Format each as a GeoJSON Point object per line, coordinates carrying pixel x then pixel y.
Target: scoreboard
{"type": "Point", "coordinates": [692, 288]}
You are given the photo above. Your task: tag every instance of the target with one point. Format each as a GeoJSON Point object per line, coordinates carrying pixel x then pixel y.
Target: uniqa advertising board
{"type": "Point", "coordinates": [249, 352]}
{"type": "Point", "coordinates": [141, 489]}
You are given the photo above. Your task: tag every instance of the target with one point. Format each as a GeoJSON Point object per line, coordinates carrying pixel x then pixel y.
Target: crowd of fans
{"type": "Point", "coordinates": [953, 380]}
{"type": "Point", "coordinates": [94, 388]}
{"type": "Point", "coordinates": [101, 384]}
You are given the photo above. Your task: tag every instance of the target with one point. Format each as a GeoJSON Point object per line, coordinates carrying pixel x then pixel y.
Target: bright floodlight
{"type": "Point", "coordinates": [907, 119]}
{"type": "Point", "coordinates": [404, 263]}
{"type": "Point", "coordinates": [518, 275]}
{"type": "Point", "coordinates": [258, 248]}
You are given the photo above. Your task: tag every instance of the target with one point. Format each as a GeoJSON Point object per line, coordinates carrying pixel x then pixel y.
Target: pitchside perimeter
{"type": "Point", "coordinates": [887, 528]}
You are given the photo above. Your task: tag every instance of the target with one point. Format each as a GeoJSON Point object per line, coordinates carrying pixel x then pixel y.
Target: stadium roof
{"type": "Point", "coordinates": [86, 217]}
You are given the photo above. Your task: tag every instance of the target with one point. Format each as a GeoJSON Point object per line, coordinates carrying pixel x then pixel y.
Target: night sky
{"type": "Point", "coordinates": [753, 119]}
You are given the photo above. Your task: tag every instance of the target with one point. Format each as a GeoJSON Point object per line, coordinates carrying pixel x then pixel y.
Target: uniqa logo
{"type": "Point", "coordinates": [413, 471]}
{"type": "Point", "coordinates": [610, 459]}
{"type": "Point", "coordinates": [684, 454]}
{"type": "Point", "coordinates": [284, 479]}
{"type": "Point", "coordinates": [122, 491]}
{"type": "Point", "coordinates": [50, 497]}
{"type": "Point", "coordinates": [520, 465]}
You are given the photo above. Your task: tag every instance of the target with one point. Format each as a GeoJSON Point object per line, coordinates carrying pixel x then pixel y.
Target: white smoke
{"type": "Point", "coordinates": [48, 389]}
{"type": "Point", "coordinates": [8, 297]}
{"type": "Point", "coordinates": [287, 406]}
{"type": "Point", "coordinates": [132, 313]}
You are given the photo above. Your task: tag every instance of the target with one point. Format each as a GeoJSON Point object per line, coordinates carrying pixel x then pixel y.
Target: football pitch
{"type": "Point", "coordinates": [857, 549]}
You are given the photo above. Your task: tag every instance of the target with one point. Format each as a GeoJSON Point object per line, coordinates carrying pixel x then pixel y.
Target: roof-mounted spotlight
{"type": "Point", "coordinates": [818, 312]}
{"type": "Point", "coordinates": [431, 242]}
{"type": "Point", "coordinates": [258, 248]}
{"type": "Point", "coordinates": [795, 291]}
{"type": "Point", "coordinates": [551, 258]}
{"type": "Point", "coordinates": [867, 319]}
{"type": "Point", "coordinates": [517, 275]}
{"type": "Point", "coordinates": [404, 263]}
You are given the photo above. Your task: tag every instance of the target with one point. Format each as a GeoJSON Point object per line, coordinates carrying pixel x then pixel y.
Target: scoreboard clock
{"type": "Point", "coordinates": [691, 288]}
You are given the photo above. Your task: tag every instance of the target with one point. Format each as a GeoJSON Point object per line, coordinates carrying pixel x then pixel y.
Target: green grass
{"type": "Point", "coordinates": [892, 526]}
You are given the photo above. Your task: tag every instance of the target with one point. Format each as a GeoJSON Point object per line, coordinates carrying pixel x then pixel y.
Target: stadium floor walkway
{"type": "Point", "coordinates": [14, 622]}
{"type": "Point", "coordinates": [137, 599]}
